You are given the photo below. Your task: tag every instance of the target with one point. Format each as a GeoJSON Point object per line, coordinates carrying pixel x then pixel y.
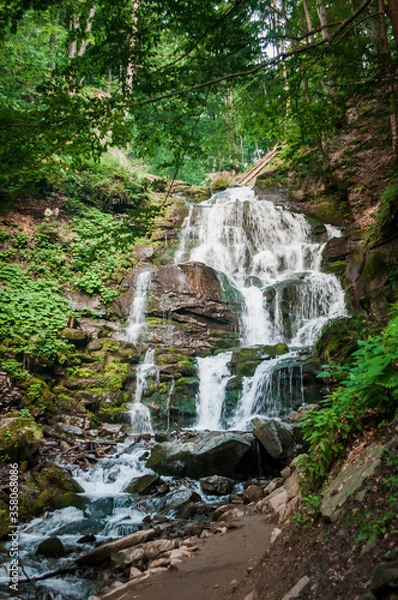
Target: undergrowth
{"type": "Point", "coordinates": [367, 393]}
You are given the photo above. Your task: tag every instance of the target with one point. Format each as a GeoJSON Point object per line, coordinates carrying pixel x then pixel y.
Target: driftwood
{"type": "Point", "coordinates": [103, 552]}
{"type": "Point", "coordinates": [63, 571]}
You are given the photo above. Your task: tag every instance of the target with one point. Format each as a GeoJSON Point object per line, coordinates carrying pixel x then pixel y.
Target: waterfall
{"type": "Point", "coordinates": [213, 377]}
{"type": "Point", "coordinates": [136, 324]}
{"type": "Point", "coordinates": [270, 388]}
{"type": "Point", "coordinates": [140, 414]}
{"type": "Point", "coordinates": [272, 256]}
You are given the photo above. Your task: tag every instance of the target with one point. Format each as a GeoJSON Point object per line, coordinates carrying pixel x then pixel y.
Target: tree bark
{"type": "Point", "coordinates": [130, 71]}
{"type": "Point", "coordinates": [392, 11]}
{"type": "Point", "coordinates": [321, 9]}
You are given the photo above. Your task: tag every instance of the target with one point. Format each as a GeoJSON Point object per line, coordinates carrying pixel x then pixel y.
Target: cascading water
{"type": "Point", "coordinates": [140, 414]}
{"type": "Point", "coordinates": [272, 257]}
{"type": "Point", "coordinates": [213, 377]}
{"type": "Point", "coordinates": [137, 324]}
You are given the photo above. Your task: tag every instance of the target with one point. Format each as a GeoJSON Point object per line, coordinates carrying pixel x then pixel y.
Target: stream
{"type": "Point", "coordinates": [272, 257]}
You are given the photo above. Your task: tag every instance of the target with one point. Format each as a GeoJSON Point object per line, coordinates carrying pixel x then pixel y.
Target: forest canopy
{"type": "Point", "coordinates": [170, 80]}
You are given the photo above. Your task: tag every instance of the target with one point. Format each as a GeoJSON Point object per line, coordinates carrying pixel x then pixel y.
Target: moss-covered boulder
{"type": "Point", "coordinates": [78, 337]}
{"type": "Point", "coordinates": [20, 437]}
{"type": "Point", "coordinates": [51, 548]}
{"type": "Point", "coordinates": [48, 487]}
{"type": "Point", "coordinates": [244, 361]}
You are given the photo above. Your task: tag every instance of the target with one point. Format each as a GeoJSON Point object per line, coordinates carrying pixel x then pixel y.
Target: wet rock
{"type": "Point", "coordinates": [206, 454]}
{"type": "Point", "coordinates": [216, 485]}
{"type": "Point", "coordinates": [101, 507]}
{"type": "Point", "coordinates": [20, 437]}
{"type": "Point", "coordinates": [195, 292]}
{"type": "Point", "coordinates": [52, 548]}
{"type": "Point", "coordinates": [276, 438]}
{"type": "Point", "coordinates": [143, 485]}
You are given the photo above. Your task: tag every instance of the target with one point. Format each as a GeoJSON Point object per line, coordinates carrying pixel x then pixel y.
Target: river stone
{"type": "Point", "coordinates": [52, 548]}
{"type": "Point", "coordinates": [213, 453]}
{"type": "Point", "coordinates": [143, 485]}
{"type": "Point", "coordinates": [276, 437]}
{"type": "Point", "coordinates": [349, 479]}
{"type": "Point", "coordinates": [192, 292]}
{"type": "Point", "coordinates": [217, 485]}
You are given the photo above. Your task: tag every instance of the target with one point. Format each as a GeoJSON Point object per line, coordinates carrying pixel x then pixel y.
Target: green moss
{"type": "Point", "coordinates": [373, 266]}
{"type": "Point", "coordinates": [20, 437]}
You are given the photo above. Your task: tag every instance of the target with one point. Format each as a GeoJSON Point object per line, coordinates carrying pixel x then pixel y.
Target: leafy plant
{"type": "Point", "coordinates": [368, 388]}
{"type": "Point", "coordinates": [32, 314]}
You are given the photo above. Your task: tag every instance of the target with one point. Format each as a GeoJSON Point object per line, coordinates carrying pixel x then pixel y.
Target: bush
{"type": "Point", "coordinates": [368, 389]}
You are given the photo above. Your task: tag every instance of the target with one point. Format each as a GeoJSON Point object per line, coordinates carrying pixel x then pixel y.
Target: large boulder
{"type": "Point", "coordinates": [48, 487]}
{"type": "Point", "coordinates": [20, 437]}
{"type": "Point", "coordinates": [214, 453]}
{"type": "Point", "coordinates": [194, 292]}
{"type": "Point", "coordinates": [276, 438]}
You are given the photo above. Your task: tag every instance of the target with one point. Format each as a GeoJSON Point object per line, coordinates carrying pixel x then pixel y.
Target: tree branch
{"type": "Point", "coordinates": [263, 64]}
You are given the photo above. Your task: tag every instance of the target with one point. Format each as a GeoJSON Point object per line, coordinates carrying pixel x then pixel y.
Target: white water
{"type": "Point", "coordinates": [139, 413]}
{"type": "Point", "coordinates": [271, 256]}
{"type": "Point", "coordinates": [213, 377]}
{"type": "Point", "coordinates": [136, 326]}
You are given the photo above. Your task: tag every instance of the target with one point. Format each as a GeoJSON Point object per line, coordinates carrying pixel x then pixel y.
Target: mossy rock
{"type": "Point", "coordinates": [77, 337]}
{"type": "Point", "coordinates": [5, 521]}
{"type": "Point", "coordinates": [255, 354]}
{"type": "Point", "coordinates": [338, 339]}
{"type": "Point", "coordinates": [195, 193]}
{"type": "Point", "coordinates": [143, 485]}
{"type": "Point", "coordinates": [221, 181]}
{"type": "Point", "coordinates": [318, 227]}
{"type": "Point", "coordinates": [50, 475]}
{"type": "Point", "coordinates": [246, 368]}
{"type": "Point", "coordinates": [374, 264]}
{"type": "Point", "coordinates": [51, 548]}
{"type": "Point", "coordinates": [20, 437]}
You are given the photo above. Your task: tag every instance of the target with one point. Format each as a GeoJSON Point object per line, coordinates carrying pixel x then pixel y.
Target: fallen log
{"type": "Point", "coordinates": [104, 551]}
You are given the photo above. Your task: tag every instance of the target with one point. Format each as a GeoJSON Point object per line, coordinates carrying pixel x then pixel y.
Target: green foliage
{"type": "Point", "coordinates": [15, 370]}
{"type": "Point", "coordinates": [368, 388]}
{"type": "Point", "coordinates": [32, 313]}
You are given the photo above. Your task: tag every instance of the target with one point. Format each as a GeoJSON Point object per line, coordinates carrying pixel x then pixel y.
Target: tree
{"type": "Point", "coordinates": [137, 72]}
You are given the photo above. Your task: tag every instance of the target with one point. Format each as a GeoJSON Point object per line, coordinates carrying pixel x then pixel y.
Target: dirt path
{"type": "Point", "coordinates": [221, 562]}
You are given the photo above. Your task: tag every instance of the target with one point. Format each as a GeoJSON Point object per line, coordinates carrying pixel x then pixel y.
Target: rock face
{"type": "Point", "coordinates": [350, 478]}
{"type": "Point", "coordinates": [276, 438]}
{"type": "Point", "coordinates": [195, 292]}
{"type": "Point", "coordinates": [207, 454]}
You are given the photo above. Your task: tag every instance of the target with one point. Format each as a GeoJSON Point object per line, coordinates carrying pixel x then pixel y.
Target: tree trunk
{"type": "Point", "coordinates": [89, 26]}
{"type": "Point", "coordinates": [392, 11]}
{"type": "Point", "coordinates": [130, 71]}
{"type": "Point", "coordinates": [308, 20]}
{"type": "Point", "coordinates": [390, 75]}
{"type": "Point", "coordinates": [321, 9]}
